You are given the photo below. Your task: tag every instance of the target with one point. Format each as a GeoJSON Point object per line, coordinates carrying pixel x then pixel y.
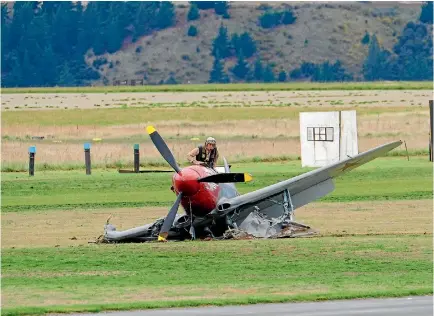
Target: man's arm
{"type": "Point", "coordinates": [216, 158]}
{"type": "Point", "coordinates": [191, 157]}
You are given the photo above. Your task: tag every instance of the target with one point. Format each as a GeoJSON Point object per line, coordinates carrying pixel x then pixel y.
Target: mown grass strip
{"type": "Point", "coordinates": [290, 86]}
{"type": "Point", "coordinates": [381, 179]}
{"type": "Point", "coordinates": [97, 308]}
{"type": "Point", "coordinates": [244, 271]}
{"type": "Point", "coordinates": [418, 195]}
{"type": "Point", "coordinates": [81, 206]}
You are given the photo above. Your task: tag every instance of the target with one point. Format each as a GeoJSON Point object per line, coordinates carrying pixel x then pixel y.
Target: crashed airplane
{"type": "Point", "coordinates": [214, 208]}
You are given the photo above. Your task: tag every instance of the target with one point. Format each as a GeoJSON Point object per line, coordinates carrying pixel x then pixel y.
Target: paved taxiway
{"type": "Point", "coordinates": [417, 305]}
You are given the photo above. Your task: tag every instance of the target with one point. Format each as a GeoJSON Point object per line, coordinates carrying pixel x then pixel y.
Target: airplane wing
{"type": "Point", "coordinates": [299, 190]}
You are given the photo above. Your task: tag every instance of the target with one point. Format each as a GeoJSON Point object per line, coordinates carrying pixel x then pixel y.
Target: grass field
{"type": "Point", "coordinates": [382, 179]}
{"type": "Point", "coordinates": [389, 85]}
{"type": "Point", "coordinates": [375, 229]}
{"type": "Point", "coordinates": [217, 99]}
{"type": "Point", "coordinates": [133, 276]}
{"type": "Point", "coordinates": [244, 134]}
{"type": "Point", "coordinates": [249, 125]}
{"type": "Point", "coordinates": [135, 116]}
{"type": "Point", "coordinates": [375, 239]}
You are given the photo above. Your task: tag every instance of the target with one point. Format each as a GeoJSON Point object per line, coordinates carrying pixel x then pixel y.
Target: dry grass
{"type": "Point", "coordinates": [237, 139]}
{"type": "Point", "coordinates": [56, 228]}
{"type": "Point", "coordinates": [242, 132]}
{"type": "Point", "coordinates": [233, 150]}
{"type": "Point", "coordinates": [404, 123]}
{"type": "Point", "coordinates": [134, 295]}
{"type": "Point", "coordinates": [341, 98]}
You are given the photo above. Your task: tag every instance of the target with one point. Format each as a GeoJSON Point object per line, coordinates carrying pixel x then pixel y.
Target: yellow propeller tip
{"type": "Point", "coordinates": [150, 129]}
{"type": "Point", "coordinates": [161, 238]}
{"type": "Point", "coordinates": [247, 177]}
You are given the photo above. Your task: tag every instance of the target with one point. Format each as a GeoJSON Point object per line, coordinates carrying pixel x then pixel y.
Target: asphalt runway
{"type": "Point", "coordinates": [417, 305]}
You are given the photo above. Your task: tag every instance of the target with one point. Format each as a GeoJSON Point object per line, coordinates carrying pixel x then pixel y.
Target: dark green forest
{"type": "Point", "coordinates": [45, 43]}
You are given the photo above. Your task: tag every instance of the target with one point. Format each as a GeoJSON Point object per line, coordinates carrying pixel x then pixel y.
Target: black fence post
{"type": "Point", "coordinates": [431, 131]}
{"type": "Point", "coordinates": [32, 152]}
{"type": "Point", "coordinates": [136, 158]}
{"type": "Point", "coordinates": [87, 157]}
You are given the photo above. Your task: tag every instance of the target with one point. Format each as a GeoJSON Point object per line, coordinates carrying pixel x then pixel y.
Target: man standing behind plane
{"type": "Point", "coordinates": [206, 156]}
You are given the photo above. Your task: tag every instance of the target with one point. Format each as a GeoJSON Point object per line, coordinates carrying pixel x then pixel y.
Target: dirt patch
{"type": "Point", "coordinates": [64, 274]}
{"type": "Point", "coordinates": [57, 228]}
{"type": "Point", "coordinates": [143, 294]}
{"type": "Point", "coordinates": [69, 227]}
{"type": "Point", "coordinates": [391, 217]}
{"type": "Point", "coordinates": [237, 291]}
{"type": "Point", "coordinates": [47, 297]}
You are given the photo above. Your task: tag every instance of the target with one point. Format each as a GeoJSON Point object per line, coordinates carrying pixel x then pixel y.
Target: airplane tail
{"type": "Point", "coordinates": [227, 168]}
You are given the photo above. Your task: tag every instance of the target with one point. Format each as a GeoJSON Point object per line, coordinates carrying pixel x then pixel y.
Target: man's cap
{"type": "Point", "coordinates": [210, 140]}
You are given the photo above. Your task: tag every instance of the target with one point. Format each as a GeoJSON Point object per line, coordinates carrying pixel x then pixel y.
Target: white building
{"type": "Point", "coordinates": [327, 137]}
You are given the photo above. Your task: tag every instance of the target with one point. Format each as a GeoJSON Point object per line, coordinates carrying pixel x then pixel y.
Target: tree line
{"type": "Point", "coordinates": [411, 58]}
{"type": "Point", "coordinates": [44, 43]}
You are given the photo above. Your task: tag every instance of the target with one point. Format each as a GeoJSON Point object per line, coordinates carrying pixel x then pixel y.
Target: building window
{"type": "Point", "coordinates": [320, 134]}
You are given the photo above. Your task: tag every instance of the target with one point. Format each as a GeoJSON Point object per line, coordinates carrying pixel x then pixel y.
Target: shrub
{"type": "Point", "coordinates": [288, 17]}
{"type": "Point", "coordinates": [271, 19]}
{"type": "Point", "coordinates": [221, 8]}
{"type": "Point", "coordinates": [426, 15]}
{"type": "Point", "coordinates": [193, 13]}
{"type": "Point", "coordinates": [192, 31]}
{"type": "Point", "coordinates": [366, 38]}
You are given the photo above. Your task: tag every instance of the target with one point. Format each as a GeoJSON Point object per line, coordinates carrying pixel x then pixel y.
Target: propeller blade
{"type": "Point", "coordinates": [168, 221]}
{"type": "Point", "coordinates": [227, 178]}
{"type": "Point", "coordinates": [162, 148]}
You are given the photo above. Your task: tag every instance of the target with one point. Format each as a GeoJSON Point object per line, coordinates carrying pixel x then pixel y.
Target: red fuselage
{"type": "Point", "coordinates": [202, 197]}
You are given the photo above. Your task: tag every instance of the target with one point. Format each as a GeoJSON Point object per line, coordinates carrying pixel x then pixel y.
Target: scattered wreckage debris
{"type": "Point", "coordinates": [255, 226]}
{"type": "Point", "coordinates": [258, 226]}
{"type": "Point", "coordinates": [239, 234]}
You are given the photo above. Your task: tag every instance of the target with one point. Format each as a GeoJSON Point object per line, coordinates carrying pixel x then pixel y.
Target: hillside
{"type": "Point", "coordinates": [322, 32]}
{"type": "Point", "coordinates": [73, 43]}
